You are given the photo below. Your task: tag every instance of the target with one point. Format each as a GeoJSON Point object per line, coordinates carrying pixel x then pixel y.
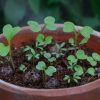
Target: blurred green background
{"type": "Point", "coordinates": [81, 12]}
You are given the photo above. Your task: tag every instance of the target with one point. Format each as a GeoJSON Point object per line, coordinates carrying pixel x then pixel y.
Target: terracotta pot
{"type": "Point", "coordinates": [90, 91]}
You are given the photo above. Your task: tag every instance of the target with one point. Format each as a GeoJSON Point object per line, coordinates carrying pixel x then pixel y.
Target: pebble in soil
{"type": "Point", "coordinates": [32, 77]}
{"type": "Point", "coordinates": [6, 71]}
{"type": "Point", "coordinates": [52, 83]}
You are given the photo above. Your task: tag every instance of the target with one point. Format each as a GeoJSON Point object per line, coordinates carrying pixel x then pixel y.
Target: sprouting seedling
{"type": "Point", "coordinates": [42, 41]}
{"type": "Point", "coordinates": [71, 78]}
{"type": "Point", "coordinates": [9, 32]}
{"type": "Point", "coordinates": [22, 68]}
{"type": "Point", "coordinates": [49, 23]}
{"type": "Point", "coordinates": [49, 57]}
{"type": "Point", "coordinates": [59, 49]}
{"type": "Point", "coordinates": [76, 76]}
{"type": "Point", "coordinates": [70, 27]}
{"type": "Point", "coordinates": [93, 59]}
{"type": "Point", "coordinates": [49, 71]}
{"type": "Point", "coordinates": [85, 31]}
{"type": "Point", "coordinates": [32, 53]}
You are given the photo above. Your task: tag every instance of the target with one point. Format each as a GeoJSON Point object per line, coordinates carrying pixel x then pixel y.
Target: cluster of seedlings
{"type": "Point", "coordinates": [47, 63]}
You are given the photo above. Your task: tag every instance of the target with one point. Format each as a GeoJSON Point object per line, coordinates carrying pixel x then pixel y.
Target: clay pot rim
{"type": "Point", "coordinates": [51, 92]}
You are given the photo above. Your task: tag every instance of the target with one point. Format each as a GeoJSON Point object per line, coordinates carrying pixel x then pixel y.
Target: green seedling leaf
{"type": "Point", "coordinates": [96, 56]}
{"type": "Point", "coordinates": [52, 59]}
{"type": "Point", "coordinates": [4, 50]}
{"type": "Point", "coordinates": [50, 70]}
{"type": "Point", "coordinates": [22, 68]}
{"type": "Point", "coordinates": [71, 41]}
{"type": "Point", "coordinates": [37, 56]}
{"type": "Point", "coordinates": [48, 39]}
{"type": "Point", "coordinates": [41, 65]}
{"type": "Point", "coordinates": [86, 31]}
{"type": "Point", "coordinates": [47, 55]}
{"type": "Point", "coordinates": [9, 32]}
{"type": "Point", "coordinates": [66, 77]}
{"type": "Point", "coordinates": [85, 40]}
{"type": "Point", "coordinates": [72, 59]}
{"type": "Point", "coordinates": [29, 56]}
{"type": "Point", "coordinates": [91, 71]}
{"type": "Point", "coordinates": [80, 54]}
{"type": "Point", "coordinates": [40, 38]}
{"type": "Point", "coordinates": [35, 27]}
{"type": "Point", "coordinates": [79, 70]}
{"type": "Point", "coordinates": [50, 23]}
{"type": "Point", "coordinates": [75, 80]}
{"type": "Point", "coordinates": [77, 77]}
{"type": "Point", "coordinates": [49, 20]}
{"type": "Point", "coordinates": [62, 44]}
{"type": "Point", "coordinates": [91, 61]}
{"type": "Point", "coordinates": [68, 27]}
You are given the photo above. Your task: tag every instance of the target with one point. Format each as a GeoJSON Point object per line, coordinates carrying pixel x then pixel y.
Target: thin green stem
{"type": "Point", "coordinates": [75, 39]}
{"type": "Point", "coordinates": [11, 59]}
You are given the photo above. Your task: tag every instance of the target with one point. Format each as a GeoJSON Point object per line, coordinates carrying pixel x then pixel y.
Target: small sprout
{"type": "Point", "coordinates": [80, 54]}
{"type": "Point", "coordinates": [41, 65]}
{"type": "Point", "coordinates": [79, 70]}
{"type": "Point", "coordinates": [86, 31]}
{"type": "Point", "coordinates": [96, 56]}
{"type": "Point", "coordinates": [71, 41]}
{"type": "Point", "coordinates": [42, 41]}
{"type": "Point", "coordinates": [71, 78]}
{"type": "Point", "coordinates": [72, 59]}
{"type": "Point", "coordinates": [4, 50]}
{"type": "Point", "coordinates": [91, 61]}
{"type": "Point", "coordinates": [9, 32]}
{"type": "Point", "coordinates": [59, 50]}
{"type": "Point", "coordinates": [69, 27]}
{"type": "Point", "coordinates": [47, 70]}
{"type": "Point", "coordinates": [50, 23]}
{"type": "Point", "coordinates": [33, 53]}
{"type": "Point", "coordinates": [50, 70]}
{"type": "Point", "coordinates": [22, 68]}
{"type": "Point", "coordinates": [91, 71]}
{"type": "Point", "coordinates": [35, 27]}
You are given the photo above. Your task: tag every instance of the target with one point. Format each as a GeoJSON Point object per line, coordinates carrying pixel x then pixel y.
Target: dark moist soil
{"type": "Point", "coordinates": [32, 78]}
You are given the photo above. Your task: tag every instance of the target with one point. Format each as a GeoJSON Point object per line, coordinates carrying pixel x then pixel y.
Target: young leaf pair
{"type": "Point", "coordinates": [9, 32]}
{"type": "Point", "coordinates": [49, 71]}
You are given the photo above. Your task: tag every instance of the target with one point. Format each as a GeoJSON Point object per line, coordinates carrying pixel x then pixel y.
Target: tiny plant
{"type": "Point", "coordinates": [49, 71]}
{"type": "Point", "coordinates": [9, 32]}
